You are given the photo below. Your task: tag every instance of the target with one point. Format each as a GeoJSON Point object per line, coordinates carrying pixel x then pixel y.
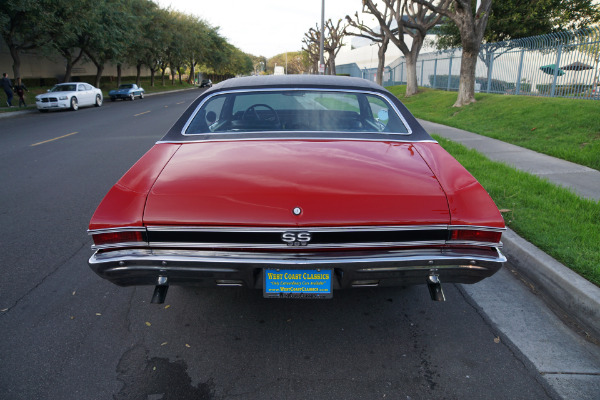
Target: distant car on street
{"type": "Point", "coordinates": [69, 95]}
{"type": "Point", "coordinates": [206, 83]}
{"type": "Point", "coordinates": [127, 91]}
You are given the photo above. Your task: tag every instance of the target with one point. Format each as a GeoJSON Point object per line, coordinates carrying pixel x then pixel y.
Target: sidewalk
{"type": "Point", "coordinates": [582, 180]}
{"type": "Point", "coordinates": [557, 284]}
{"type": "Point", "coordinates": [570, 365]}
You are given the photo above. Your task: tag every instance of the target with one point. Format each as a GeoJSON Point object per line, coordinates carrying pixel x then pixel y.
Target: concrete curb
{"type": "Point", "coordinates": [16, 113]}
{"type": "Point", "coordinates": [558, 284]}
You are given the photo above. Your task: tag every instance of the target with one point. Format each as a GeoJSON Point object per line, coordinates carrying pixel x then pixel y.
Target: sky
{"type": "Point", "coordinates": [264, 27]}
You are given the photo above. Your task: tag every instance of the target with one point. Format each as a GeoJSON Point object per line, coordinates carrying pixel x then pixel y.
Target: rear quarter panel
{"type": "Point", "coordinates": [468, 201]}
{"type": "Point", "coordinates": [124, 203]}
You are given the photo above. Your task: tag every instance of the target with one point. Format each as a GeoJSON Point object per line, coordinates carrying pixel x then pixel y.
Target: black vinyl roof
{"type": "Point", "coordinates": [292, 81]}
{"type": "Point", "coordinates": [295, 81]}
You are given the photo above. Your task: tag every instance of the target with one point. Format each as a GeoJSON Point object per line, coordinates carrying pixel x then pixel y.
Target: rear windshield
{"type": "Point", "coordinates": [296, 110]}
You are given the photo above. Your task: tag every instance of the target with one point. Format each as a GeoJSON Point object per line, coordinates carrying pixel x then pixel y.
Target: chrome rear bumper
{"type": "Point", "coordinates": [351, 268]}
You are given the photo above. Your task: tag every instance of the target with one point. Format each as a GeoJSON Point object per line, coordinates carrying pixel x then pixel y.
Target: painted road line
{"type": "Point", "coordinates": [145, 112]}
{"type": "Point", "coordinates": [51, 140]}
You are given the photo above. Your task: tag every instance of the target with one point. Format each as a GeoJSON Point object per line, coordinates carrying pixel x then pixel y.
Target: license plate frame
{"type": "Point", "coordinates": [298, 283]}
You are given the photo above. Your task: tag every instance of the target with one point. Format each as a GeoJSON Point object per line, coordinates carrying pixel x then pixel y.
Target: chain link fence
{"type": "Point", "coordinates": [563, 64]}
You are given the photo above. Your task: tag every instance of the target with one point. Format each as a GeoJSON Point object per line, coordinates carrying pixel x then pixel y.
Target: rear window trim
{"type": "Point", "coordinates": [303, 89]}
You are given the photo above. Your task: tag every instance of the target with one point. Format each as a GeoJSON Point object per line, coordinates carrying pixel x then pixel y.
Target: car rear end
{"type": "Point", "coordinates": [297, 186]}
{"type": "Point", "coordinates": [234, 214]}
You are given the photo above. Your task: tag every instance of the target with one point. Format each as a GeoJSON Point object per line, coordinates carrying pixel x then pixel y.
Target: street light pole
{"type": "Point", "coordinates": [321, 61]}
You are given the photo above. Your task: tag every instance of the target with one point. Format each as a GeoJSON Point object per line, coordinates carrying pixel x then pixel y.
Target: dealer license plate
{"type": "Point", "coordinates": [298, 283]}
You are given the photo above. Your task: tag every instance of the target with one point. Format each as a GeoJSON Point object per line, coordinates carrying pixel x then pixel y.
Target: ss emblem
{"type": "Point", "coordinates": [296, 238]}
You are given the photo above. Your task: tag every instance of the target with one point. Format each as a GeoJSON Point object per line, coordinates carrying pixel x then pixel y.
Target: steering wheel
{"type": "Point", "coordinates": [271, 117]}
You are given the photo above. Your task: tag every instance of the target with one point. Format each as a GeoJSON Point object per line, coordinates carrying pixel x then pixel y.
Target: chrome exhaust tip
{"type": "Point", "coordinates": [160, 291]}
{"type": "Point", "coordinates": [435, 288]}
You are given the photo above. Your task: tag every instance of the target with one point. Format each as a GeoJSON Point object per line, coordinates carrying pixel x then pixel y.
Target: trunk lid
{"type": "Point", "coordinates": [261, 182]}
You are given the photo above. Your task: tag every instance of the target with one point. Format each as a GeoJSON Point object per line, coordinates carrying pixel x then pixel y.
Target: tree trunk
{"type": "Point", "coordinates": [412, 86]}
{"type": "Point", "coordinates": [331, 62]}
{"type": "Point", "coordinates": [68, 71]}
{"type": "Point", "coordinates": [472, 28]}
{"type": "Point", "coordinates": [192, 76]}
{"type": "Point", "coordinates": [70, 64]}
{"type": "Point", "coordinates": [99, 70]}
{"type": "Point", "coordinates": [118, 75]}
{"type": "Point", "coordinates": [381, 60]}
{"type": "Point", "coordinates": [152, 73]}
{"type": "Point", "coordinates": [138, 73]}
{"type": "Point", "coordinates": [466, 87]}
{"type": "Point", "coordinates": [14, 52]}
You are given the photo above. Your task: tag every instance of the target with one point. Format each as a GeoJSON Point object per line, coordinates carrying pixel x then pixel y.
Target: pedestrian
{"type": "Point", "coordinates": [7, 86]}
{"type": "Point", "coordinates": [20, 89]}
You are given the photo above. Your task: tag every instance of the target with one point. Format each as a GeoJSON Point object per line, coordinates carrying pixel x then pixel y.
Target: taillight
{"type": "Point", "coordinates": [476, 236]}
{"type": "Point", "coordinates": [112, 238]}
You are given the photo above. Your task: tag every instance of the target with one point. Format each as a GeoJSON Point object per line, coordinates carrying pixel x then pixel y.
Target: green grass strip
{"type": "Point", "coordinates": [564, 128]}
{"type": "Point", "coordinates": [554, 219]}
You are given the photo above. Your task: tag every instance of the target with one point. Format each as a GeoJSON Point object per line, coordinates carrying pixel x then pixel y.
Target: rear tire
{"type": "Point", "coordinates": [98, 101]}
{"type": "Point", "coordinates": [141, 95]}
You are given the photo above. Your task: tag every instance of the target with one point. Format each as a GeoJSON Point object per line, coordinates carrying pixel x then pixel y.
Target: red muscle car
{"type": "Point", "coordinates": [297, 186]}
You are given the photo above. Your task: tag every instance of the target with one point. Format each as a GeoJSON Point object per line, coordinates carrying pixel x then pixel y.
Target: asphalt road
{"type": "Point", "coordinates": [68, 334]}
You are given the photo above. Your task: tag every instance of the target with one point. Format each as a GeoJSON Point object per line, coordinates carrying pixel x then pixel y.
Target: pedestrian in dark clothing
{"type": "Point", "coordinates": [7, 86]}
{"type": "Point", "coordinates": [20, 89]}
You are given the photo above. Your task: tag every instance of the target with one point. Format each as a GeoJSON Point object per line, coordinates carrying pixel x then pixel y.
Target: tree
{"type": "Point", "coordinates": [259, 63]}
{"type": "Point", "coordinates": [378, 36]}
{"type": "Point", "coordinates": [514, 19]}
{"type": "Point", "coordinates": [413, 20]}
{"type": "Point", "coordinates": [196, 43]}
{"type": "Point", "coordinates": [471, 24]}
{"type": "Point", "coordinates": [217, 53]}
{"type": "Point", "coordinates": [177, 47]}
{"type": "Point", "coordinates": [233, 61]}
{"type": "Point", "coordinates": [108, 32]}
{"type": "Point", "coordinates": [123, 32]}
{"type": "Point", "coordinates": [333, 42]}
{"type": "Point", "coordinates": [285, 60]}
{"type": "Point", "coordinates": [68, 32]}
{"type": "Point", "coordinates": [155, 36]}
{"type": "Point", "coordinates": [311, 48]}
{"type": "Point", "coordinates": [23, 26]}
{"type": "Point", "coordinates": [138, 48]}
{"type": "Point", "coordinates": [294, 62]}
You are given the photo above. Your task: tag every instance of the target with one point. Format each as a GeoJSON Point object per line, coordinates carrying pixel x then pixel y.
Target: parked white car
{"type": "Point", "coordinates": [71, 95]}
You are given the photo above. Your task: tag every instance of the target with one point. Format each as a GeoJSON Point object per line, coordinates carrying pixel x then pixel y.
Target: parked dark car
{"type": "Point", "coordinates": [206, 83]}
{"type": "Point", "coordinates": [296, 185]}
{"type": "Point", "coordinates": [127, 91]}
